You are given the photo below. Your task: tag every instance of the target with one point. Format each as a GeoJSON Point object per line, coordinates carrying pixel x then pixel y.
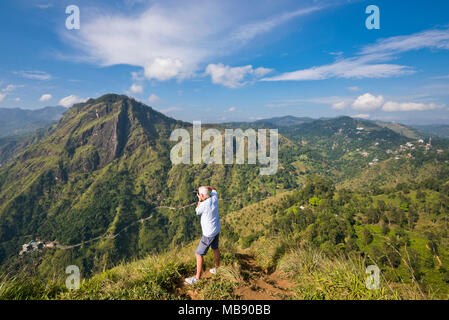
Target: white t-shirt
{"type": "Point", "coordinates": [210, 221]}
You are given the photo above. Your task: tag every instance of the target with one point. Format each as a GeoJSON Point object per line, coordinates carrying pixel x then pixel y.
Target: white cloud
{"type": "Point", "coordinates": [355, 88]}
{"type": "Point", "coordinates": [334, 101]}
{"type": "Point", "coordinates": [336, 53]}
{"type": "Point", "coordinates": [164, 69]}
{"type": "Point", "coordinates": [339, 105]}
{"type": "Point", "coordinates": [353, 68]}
{"type": "Point", "coordinates": [362, 116]}
{"type": "Point", "coordinates": [365, 102]}
{"type": "Point", "coordinates": [11, 87]}
{"type": "Point", "coordinates": [326, 100]}
{"type": "Point", "coordinates": [136, 88]}
{"type": "Point", "coordinates": [391, 106]}
{"type": "Point", "coordinates": [370, 62]}
{"type": "Point", "coordinates": [234, 77]}
{"type": "Point", "coordinates": [227, 76]}
{"type": "Point", "coordinates": [281, 104]}
{"type": "Point", "coordinates": [368, 102]}
{"type": "Point", "coordinates": [440, 77]}
{"type": "Point", "coordinates": [34, 75]}
{"type": "Point", "coordinates": [17, 99]}
{"type": "Point", "coordinates": [44, 6]}
{"type": "Point", "coordinates": [173, 39]}
{"type": "Point", "coordinates": [251, 30]}
{"type": "Point", "coordinates": [153, 99]}
{"type": "Point", "coordinates": [261, 71]}
{"type": "Point", "coordinates": [137, 76]}
{"type": "Point", "coordinates": [434, 39]}
{"type": "Point", "coordinates": [45, 97]}
{"type": "Point", "coordinates": [231, 109]}
{"type": "Point", "coordinates": [70, 101]}
{"type": "Point", "coordinates": [2, 96]}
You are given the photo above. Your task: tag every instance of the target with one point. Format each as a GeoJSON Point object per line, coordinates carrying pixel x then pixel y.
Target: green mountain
{"type": "Point", "coordinates": [105, 165]}
{"type": "Point", "coordinates": [439, 130]}
{"type": "Point", "coordinates": [406, 131]}
{"type": "Point", "coordinates": [99, 190]}
{"type": "Point", "coordinates": [275, 122]}
{"type": "Point", "coordinates": [285, 121]}
{"type": "Point", "coordinates": [15, 121]}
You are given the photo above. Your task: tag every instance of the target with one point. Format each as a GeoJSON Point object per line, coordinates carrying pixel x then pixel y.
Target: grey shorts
{"type": "Point", "coordinates": [207, 242]}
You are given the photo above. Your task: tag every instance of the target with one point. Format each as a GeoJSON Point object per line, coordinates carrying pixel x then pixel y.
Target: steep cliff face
{"type": "Point", "coordinates": [110, 127]}
{"type": "Point", "coordinates": [103, 133]}
{"type": "Point", "coordinates": [93, 134]}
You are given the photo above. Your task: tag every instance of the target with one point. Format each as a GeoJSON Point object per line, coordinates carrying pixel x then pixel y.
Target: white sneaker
{"type": "Point", "coordinates": [213, 270]}
{"type": "Point", "coordinates": [191, 280]}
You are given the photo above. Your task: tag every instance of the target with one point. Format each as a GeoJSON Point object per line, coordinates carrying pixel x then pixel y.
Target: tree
{"type": "Point", "coordinates": [372, 216]}
{"type": "Point", "coordinates": [381, 205]}
{"type": "Point", "coordinates": [367, 236]}
{"type": "Point", "coordinates": [314, 201]}
{"type": "Point", "coordinates": [433, 242]}
{"type": "Point", "coordinates": [412, 218]}
{"type": "Point", "coordinates": [385, 229]}
{"type": "Point", "coordinates": [420, 196]}
{"type": "Point", "coordinates": [404, 206]}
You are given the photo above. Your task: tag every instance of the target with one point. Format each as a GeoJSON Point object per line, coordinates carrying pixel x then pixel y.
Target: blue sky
{"type": "Point", "coordinates": [221, 61]}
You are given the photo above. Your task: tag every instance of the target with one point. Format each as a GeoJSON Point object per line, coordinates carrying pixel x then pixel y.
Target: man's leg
{"type": "Point", "coordinates": [217, 257]}
{"type": "Point", "coordinates": [199, 265]}
{"type": "Point", "coordinates": [214, 246]}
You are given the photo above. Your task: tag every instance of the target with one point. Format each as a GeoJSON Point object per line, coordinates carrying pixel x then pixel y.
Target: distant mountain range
{"type": "Point", "coordinates": [440, 130]}
{"type": "Point", "coordinates": [284, 121]}
{"type": "Point", "coordinates": [19, 121]}
{"type": "Point", "coordinates": [409, 131]}
{"type": "Point", "coordinates": [15, 121]}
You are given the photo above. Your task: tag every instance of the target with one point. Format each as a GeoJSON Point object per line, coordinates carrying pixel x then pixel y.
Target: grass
{"type": "Point", "coordinates": [315, 276]}
{"type": "Point", "coordinates": [221, 286]}
{"type": "Point", "coordinates": [155, 277]}
{"type": "Point", "coordinates": [28, 288]}
{"type": "Point", "coordinates": [158, 276]}
{"type": "Point", "coordinates": [319, 277]}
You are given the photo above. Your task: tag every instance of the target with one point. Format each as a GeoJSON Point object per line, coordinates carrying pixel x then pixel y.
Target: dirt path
{"type": "Point", "coordinates": [190, 293]}
{"type": "Point", "coordinates": [261, 285]}
{"type": "Point", "coordinates": [258, 285]}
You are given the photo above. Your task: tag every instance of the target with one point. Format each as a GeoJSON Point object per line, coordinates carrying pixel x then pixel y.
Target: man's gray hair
{"type": "Point", "coordinates": [203, 190]}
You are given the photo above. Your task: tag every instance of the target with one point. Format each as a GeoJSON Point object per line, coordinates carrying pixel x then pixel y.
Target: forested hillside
{"type": "Point", "coordinates": [98, 189]}
{"type": "Point", "coordinates": [104, 166]}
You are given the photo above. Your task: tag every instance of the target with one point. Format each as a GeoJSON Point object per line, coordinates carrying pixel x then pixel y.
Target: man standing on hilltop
{"type": "Point", "coordinates": [207, 207]}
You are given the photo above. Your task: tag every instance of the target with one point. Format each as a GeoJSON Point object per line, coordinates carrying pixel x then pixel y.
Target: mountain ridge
{"type": "Point", "coordinates": [14, 121]}
{"type": "Point", "coordinates": [104, 169]}
{"type": "Point", "coordinates": [106, 164]}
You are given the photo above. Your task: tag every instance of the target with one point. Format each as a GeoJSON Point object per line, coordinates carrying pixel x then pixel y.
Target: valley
{"type": "Point", "coordinates": [99, 184]}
